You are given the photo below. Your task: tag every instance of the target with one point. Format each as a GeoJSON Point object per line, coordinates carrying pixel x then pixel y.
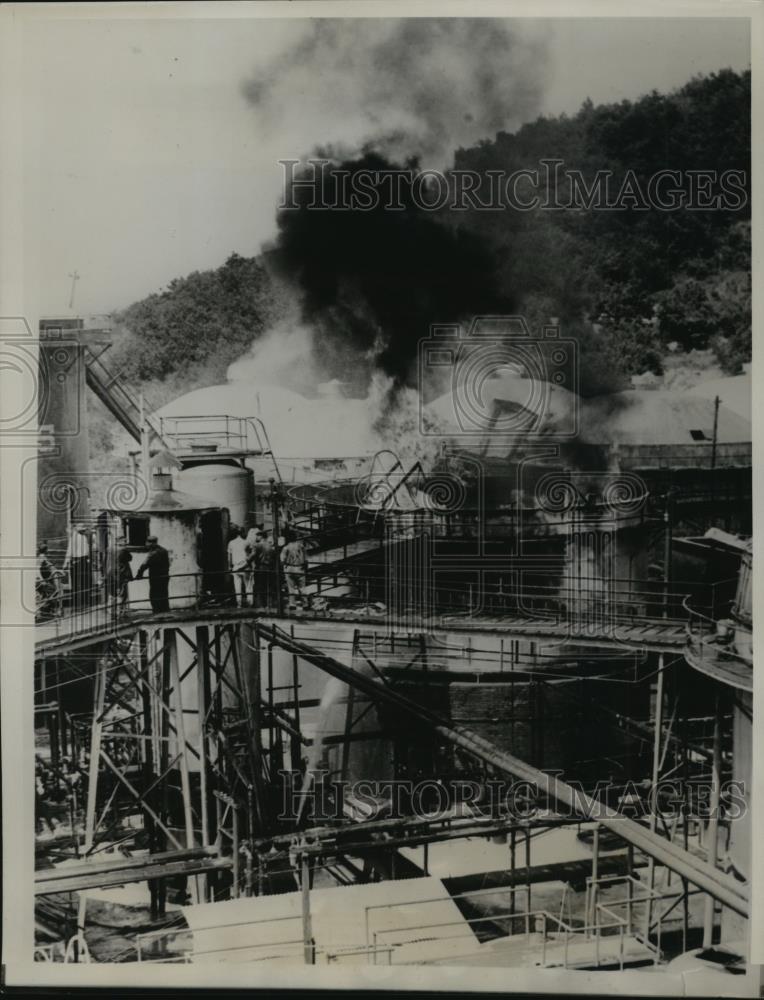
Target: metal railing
{"type": "Point", "coordinates": [590, 604]}
{"type": "Point", "coordinates": [115, 395]}
{"type": "Point", "coordinates": [550, 936]}
{"type": "Point", "coordinates": [708, 638]}
{"type": "Point", "coordinates": [161, 940]}
{"type": "Point", "coordinates": [539, 927]}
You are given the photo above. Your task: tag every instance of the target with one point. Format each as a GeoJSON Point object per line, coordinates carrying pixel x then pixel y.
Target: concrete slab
{"type": "Point", "coordinates": [413, 917]}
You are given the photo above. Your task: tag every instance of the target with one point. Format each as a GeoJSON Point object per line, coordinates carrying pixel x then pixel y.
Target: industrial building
{"type": "Point", "coordinates": [505, 722]}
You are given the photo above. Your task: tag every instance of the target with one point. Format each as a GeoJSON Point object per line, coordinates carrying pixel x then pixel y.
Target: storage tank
{"type": "Point", "coordinates": [194, 531]}
{"type": "Point", "coordinates": [226, 485]}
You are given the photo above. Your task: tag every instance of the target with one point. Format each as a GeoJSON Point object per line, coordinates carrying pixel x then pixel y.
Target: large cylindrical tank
{"type": "Point", "coordinates": [227, 485]}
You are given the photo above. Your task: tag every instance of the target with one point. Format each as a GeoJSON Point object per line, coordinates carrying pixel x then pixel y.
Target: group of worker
{"type": "Point", "coordinates": [116, 573]}
{"type": "Point", "coordinates": [77, 566]}
{"type": "Point", "coordinates": [253, 562]}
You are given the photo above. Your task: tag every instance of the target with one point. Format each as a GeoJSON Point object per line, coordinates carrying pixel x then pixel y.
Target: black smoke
{"type": "Point", "coordinates": [373, 282]}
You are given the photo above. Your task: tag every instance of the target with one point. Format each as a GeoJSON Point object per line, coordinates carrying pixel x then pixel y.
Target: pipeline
{"type": "Point", "coordinates": [726, 889]}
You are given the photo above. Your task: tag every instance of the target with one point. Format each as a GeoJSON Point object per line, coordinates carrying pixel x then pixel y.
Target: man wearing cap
{"type": "Point", "coordinates": [255, 535]}
{"type": "Point", "coordinates": [157, 564]}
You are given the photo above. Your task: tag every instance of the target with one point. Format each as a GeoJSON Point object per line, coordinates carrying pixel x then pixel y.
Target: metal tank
{"type": "Point", "coordinates": [228, 486]}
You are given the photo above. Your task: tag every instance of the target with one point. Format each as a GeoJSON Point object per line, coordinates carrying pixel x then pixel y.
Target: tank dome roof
{"type": "Point", "coordinates": [328, 427]}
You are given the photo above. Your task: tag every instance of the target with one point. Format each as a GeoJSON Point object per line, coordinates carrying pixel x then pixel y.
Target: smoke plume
{"type": "Point", "coordinates": [373, 282]}
{"type": "Point", "coordinates": [381, 95]}
{"type": "Point", "coordinates": [402, 86]}
{"type": "Point", "coordinates": [283, 356]}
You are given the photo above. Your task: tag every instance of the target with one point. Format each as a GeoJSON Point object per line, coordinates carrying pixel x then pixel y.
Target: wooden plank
{"type": "Point", "coordinates": [102, 880]}
{"type": "Point", "coordinates": [120, 864]}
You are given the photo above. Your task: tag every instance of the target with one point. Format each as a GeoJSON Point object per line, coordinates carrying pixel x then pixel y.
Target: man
{"type": "Point", "coordinates": [254, 535]}
{"type": "Point", "coordinates": [44, 583]}
{"type": "Point", "coordinates": [295, 563]}
{"type": "Point", "coordinates": [157, 563]}
{"type": "Point", "coordinates": [77, 561]}
{"type": "Point", "coordinates": [124, 576]}
{"type": "Point", "coordinates": [44, 565]}
{"type": "Point", "coordinates": [240, 566]}
{"type": "Point", "coordinates": [266, 577]}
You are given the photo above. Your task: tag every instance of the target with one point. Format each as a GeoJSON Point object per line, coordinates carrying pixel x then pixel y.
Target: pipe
{"type": "Point", "coordinates": [712, 832]}
{"type": "Point", "coordinates": [655, 776]}
{"type": "Point", "coordinates": [721, 886]}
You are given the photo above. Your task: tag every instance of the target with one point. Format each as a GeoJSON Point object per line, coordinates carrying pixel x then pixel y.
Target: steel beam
{"type": "Point", "coordinates": [723, 887]}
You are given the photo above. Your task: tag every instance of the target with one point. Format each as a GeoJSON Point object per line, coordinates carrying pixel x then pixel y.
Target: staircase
{"type": "Point", "coordinates": [117, 399]}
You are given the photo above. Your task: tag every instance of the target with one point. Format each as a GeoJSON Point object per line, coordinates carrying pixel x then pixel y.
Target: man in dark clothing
{"type": "Point", "coordinates": [266, 578]}
{"type": "Point", "coordinates": [157, 562]}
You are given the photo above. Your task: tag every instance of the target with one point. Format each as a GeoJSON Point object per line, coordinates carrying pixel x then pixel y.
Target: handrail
{"type": "Point", "coordinates": [602, 604]}
{"type": "Point", "coordinates": [116, 396]}
{"type": "Point", "coordinates": [254, 422]}
{"type": "Point", "coordinates": [539, 921]}
{"type": "Point", "coordinates": [238, 433]}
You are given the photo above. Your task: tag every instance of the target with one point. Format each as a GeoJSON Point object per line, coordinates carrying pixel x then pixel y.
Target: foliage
{"type": "Point", "coordinates": [200, 323]}
{"type": "Point", "coordinates": [686, 268]}
{"type": "Point", "coordinates": [627, 284]}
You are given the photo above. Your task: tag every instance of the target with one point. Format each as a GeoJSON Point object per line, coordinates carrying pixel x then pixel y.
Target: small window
{"type": "Point", "coordinates": [137, 530]}
{"type": "Point", "coordinates": [698, 436]}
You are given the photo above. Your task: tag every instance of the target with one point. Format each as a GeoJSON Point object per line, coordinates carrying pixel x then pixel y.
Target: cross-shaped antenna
{"type": "Point", "coordinates": [75, 278]}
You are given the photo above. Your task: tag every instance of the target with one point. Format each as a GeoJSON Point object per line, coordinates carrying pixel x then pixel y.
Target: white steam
{"type": "Point", "coordinates": [283, 356]}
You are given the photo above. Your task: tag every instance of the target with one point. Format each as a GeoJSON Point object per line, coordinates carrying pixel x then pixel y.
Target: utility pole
{"type": "Point", "coordinates": [712, 831]}
{"type": "Point", "coordinates": [75, 278]}
{"type": "Point", "coordinates": [716, 432]}
{"type": "Point", "coordinates": [713, 449]}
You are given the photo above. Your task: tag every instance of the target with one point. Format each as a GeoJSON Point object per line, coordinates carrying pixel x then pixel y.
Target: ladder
{"type": "Point", "coordinates": [116, 397]}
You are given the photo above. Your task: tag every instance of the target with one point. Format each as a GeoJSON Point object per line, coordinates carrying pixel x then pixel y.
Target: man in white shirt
{"type": "Point", "coordinates": [239, 552]}
{"type": "Point", "coordinates": [77, 561]}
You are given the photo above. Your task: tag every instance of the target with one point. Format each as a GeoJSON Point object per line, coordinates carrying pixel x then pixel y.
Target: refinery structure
{"type": "Point", "coordinates": [489, 705]}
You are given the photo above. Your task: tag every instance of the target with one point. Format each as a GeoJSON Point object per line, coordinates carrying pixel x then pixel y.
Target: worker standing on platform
{"type": "Point", "coordinates": [124, 576]}
{"type": "Point", "coordinates": [77, 561]}
{"type": "Point", "coordinates": [157, 563]}
{"type": "Point", "coordinates": [266, 577]}
{"type": "Point", "coordinates": [295, 563]}
{"type": "Point", "coordinates": [239, 563]}
{"type": "Point", "coordinates": [45, 586]}
{"type": "Point", "coordinates": [255, 534]}
{"type": "Point", "coordinates": [118, 573]}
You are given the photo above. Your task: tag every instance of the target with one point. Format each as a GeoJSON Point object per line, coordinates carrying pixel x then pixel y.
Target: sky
{"type": "Point", "coordinates": [144, 160]}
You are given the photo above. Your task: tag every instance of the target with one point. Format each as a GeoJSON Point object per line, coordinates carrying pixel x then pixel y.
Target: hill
{"type": "Point", "coordinates": [632, 286]}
